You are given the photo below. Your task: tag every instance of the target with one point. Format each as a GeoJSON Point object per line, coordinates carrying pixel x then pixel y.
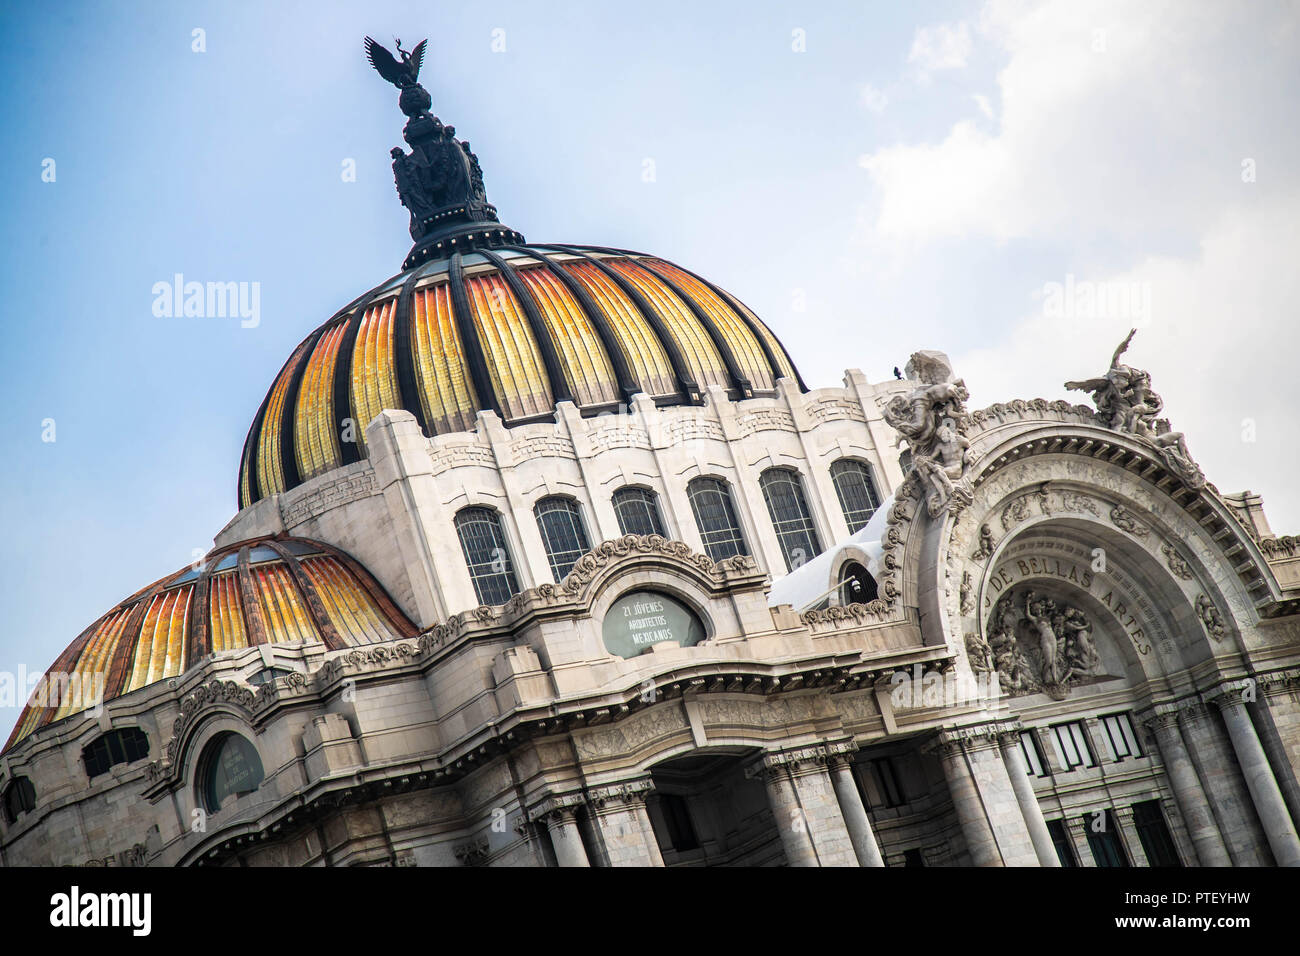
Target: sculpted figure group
{"type": "Point", "coordinates": [1126, 403]}
{"type": "Point", "coordinates": [1038, 644]}
{"type": "Point", "coordinates": [932, 418]}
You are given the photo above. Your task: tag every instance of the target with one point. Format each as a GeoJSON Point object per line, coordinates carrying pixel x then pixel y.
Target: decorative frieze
{"type": "Point", "coordinates": [326, 496]}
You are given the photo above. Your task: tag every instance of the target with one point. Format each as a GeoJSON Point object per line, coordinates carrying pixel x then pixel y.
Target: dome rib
{"type": "Point", "coordinates": [407, 389]}
{"type": "Point", "coordinates": [560, 387]}
{"type": "Point", "coordinates": [626, 385]}
{"type": "Point", "coordinates": [469, 340]}
{"type": "Point", "coordinates": [515, 329]}
{"type": "Point", "coordinates": [349, 451]}
{"type": "Point", "coordinates": [686, 381]}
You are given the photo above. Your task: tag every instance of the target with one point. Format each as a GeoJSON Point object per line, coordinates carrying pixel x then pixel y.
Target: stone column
{"type": "Point", "coordinates": [1128, 834]}
{"type": "Point", "coordinates": [562, 824]}
{"type": "Point", "coordinates": [1219, 772]}
{"type": "Point", "coordinates": [1077, 827]}
{"type": "Point", "coordinates": [1018, 770]}
{"type": "Point", "coordinates": [789, 818]}
{"type": "Point", "coordinates": [855, 814]}
{"type": "Point", "coordinates": [983, 797]}
{"type": "Point", "coordinates": [1188, 793]}
{"type": "Point", "coordinates": [1279, 829]}
{"type": "Point", "coordinates": [626, 835]}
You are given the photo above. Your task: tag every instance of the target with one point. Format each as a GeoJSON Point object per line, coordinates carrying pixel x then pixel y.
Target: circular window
{"type": "Point", "coordinates": [639, 620]}
{"type": "Point", "coordinates": [229, 769]}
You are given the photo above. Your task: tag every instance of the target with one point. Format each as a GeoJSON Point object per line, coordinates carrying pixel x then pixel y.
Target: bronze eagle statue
{"type": "Point", "coordinates": [402, 74]}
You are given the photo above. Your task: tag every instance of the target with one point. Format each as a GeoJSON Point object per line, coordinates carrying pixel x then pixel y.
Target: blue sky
{"type": "Point", "coordinates": [870, 178]}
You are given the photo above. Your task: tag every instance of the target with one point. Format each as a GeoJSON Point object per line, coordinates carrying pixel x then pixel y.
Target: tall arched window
{"type": "Point", "coordinates": [856, 488]}
{"type": "Point", "coordinates": [716, 518]}
{"type": "Point", "coordinates": [19, 798]}
{"type": "Point", "coordinates": [638, 511]}
{"type": "Point", "coordinates": [563, 534]}
{"type": "Point", "coordinates": [783, 492]}
{"type": "Point", "coordinates": [117, 746]}
{"type": "Point", "coordinates": [229, 768]}
{"type": "Point", "coordinates": [486, 554]}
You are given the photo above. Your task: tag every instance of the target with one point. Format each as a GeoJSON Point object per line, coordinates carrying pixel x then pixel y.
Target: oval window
{"type": "Point", "coordinates": [639, 620]}
{"type": "Point", "coordinates": [229, 769]}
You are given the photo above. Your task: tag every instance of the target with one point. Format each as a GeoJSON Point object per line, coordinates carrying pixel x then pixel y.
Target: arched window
{"type": "Point", "coordinates": [638, 511]}
{"type": "Point", "coordinates": [857, 492]}
{"type": "Point", "coordinates": [229, 768]}
{"type": "Point", "coordinates": [117, 746]}
{"type": "Point", "coordinates": [486, 554]}
{"type": "Point", "coordinates": [783, 492]}
{"type": "Point", "coordinates": [563, 534]}
{"type": "Point", "coordinates": [19, 798]}
{"type": "Point", "coordinates": [857, 586]}
{"type": "Point", "coordinates": [716, 518]}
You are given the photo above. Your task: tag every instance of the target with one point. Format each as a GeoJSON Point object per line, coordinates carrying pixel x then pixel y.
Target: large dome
{"type": "Point", "coordinates": [268, 591]}
{"type": "Point", "coordinates": [512, 329]}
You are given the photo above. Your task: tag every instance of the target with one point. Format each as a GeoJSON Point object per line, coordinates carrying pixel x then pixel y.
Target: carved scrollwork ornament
{"type": "Point", "coordinates": [1210, 617]}
{"type": "Point", "coordinates": [1175, 561]}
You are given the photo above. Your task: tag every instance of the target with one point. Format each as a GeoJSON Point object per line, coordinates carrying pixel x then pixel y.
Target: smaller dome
{"type": "Point", "coordinates": [264, 591]}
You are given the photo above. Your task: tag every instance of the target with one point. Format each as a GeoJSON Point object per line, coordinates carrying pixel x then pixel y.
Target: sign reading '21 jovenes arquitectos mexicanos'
{"type": "Point", "coordinates": [639, 620]}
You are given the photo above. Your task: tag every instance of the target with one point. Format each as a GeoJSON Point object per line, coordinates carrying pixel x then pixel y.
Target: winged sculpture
{"type": "Point", "coordinates": [402, 73]}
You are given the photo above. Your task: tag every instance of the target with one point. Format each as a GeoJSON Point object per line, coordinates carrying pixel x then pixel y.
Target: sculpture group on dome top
{"type": "Point", "coordinates": [439, 181]}
{"type": "Point", "coordinates": [932, 418]}
{"type": "Point", "coordinates": [1126, 403]}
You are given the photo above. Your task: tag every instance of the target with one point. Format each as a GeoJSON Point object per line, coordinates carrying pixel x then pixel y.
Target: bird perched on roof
{"type": "Point", "coordinates": [897, 373]}
{"type": "Point", "coordinates": [402, 74]}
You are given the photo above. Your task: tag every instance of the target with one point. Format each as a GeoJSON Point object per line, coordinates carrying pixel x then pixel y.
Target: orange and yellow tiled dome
{"type": "Point", "coordinates": [513, 329]}
{"type": "Point", "coordinates": [269, 591]}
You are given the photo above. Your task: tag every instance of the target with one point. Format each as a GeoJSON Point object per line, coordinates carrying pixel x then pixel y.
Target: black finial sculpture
{"type": "Point", "coordinates": [439, 181]}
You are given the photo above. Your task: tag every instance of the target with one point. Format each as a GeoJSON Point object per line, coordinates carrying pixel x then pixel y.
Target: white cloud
{"type": "Point", "coordinates": [944, 46]}
{"type": "Point", "coordinates": [1129, 151]}
{"type": "Point", "coordinates": [873, 99]}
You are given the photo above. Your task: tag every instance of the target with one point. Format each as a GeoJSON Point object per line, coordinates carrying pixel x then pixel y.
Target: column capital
{"type": "Point", "coordinates": [630, 791]}
{"type": "Point", "coordinates": [803, 759]}
{"type": "Point", "coordinates": [1231, 693]}
{"type": "Point", "coordinates": [557, 808]}
{"type": "Point", "coordinates": [1277, 681]}
{"type": "Point", "coordinates": [951, 740]}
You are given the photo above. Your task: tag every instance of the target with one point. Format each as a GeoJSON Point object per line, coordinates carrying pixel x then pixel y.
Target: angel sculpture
{"type": "Point", "coordinates": [403, 74]}
{"type": "Point", "coordinates": [1126, 403]}
{"type": "Point", "coordinates": [928, 418]}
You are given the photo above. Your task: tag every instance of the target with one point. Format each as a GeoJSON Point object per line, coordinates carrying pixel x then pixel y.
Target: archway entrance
{"type": "Point", "coordinates": [707, 811]}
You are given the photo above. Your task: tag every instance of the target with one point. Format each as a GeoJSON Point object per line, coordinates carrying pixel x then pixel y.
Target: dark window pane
{"type": "Point", "coordinates": [677, 817]}
{"type": "Point", "coordinates": [484, 545]}
{"type": "Point", "coordinates": [563, 535]}
{"type": "Point", "coordinates": [1103, 839]}
{"type": "Point", "coordinates": [117, 746]}
{"type": "Point", "coordinates": [19, 798]}
{"type": "Point", "coordinates": [716, 518]}
{"type": "Point", "coordinates": [913, 858]}
{"type": "Point", "coordinates": [1061, 840]}
{"type": "Point", "coordinates": [1153, 832]}
{"type": "Point", "coordinates": [856, 489]}
{"type": "Point", "coordinates": [638, 511]}
{"type": "Point", "coordinates": [783, 492]}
